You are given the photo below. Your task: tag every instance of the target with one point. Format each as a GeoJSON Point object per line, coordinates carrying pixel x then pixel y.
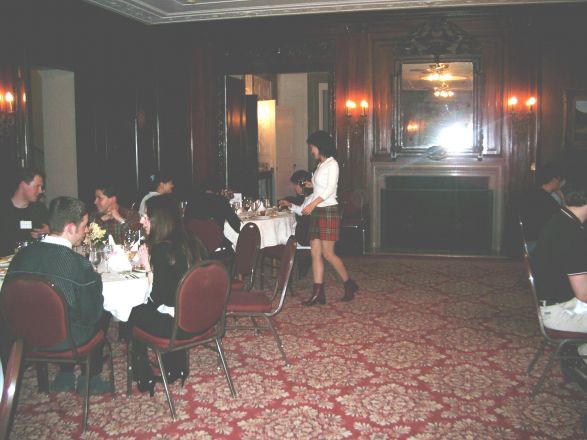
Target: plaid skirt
{"type": "Point", "coordinates": [325, 223]}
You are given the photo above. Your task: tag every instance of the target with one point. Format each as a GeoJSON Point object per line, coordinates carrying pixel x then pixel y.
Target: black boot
{"type": "Point", "coordinates": [176, 366]}
{"type": "Point", "coordinates": [350, 288]}
{"type": "Point", "coordinates": [142, 371]}
{"type": "Point", "coordinates": [318, 296]}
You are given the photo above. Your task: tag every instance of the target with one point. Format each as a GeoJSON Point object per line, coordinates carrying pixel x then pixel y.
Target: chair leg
{"type": "Point", "coordinates": [536, 357]}
{"type": "Point", "coordinates": [262, 270]}
{"type": "Point", "coordinates": [277, 339]}
{"type": "Point", "coordinates": [225, 368]}
{"type": "Point", "coordinates": [165, 384]}
{"type": "Point", "coordinates": [87, 393]}
{"type": "Point", "coordinates": [255, 325]}
{"type": "Point", "coordinates": [129, 366]}
{"type": "Point", "coordinates": [546, 370]}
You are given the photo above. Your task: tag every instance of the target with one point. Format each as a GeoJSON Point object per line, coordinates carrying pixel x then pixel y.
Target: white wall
{"type": "Point", "coordinates": [53, 96]}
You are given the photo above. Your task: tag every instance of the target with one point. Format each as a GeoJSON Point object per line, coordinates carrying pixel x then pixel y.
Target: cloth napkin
{"type": "Point", "coordinates": [111, 241]}
{"type": "Point", "coordinates": [118, 261]}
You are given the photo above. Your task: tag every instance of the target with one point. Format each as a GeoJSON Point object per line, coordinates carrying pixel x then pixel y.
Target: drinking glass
{"type": "Point", "coordinates": [95, 257]}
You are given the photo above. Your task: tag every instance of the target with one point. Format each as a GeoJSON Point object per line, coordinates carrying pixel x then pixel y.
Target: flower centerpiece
{"type": "Point", "coordinates": [96, 236]}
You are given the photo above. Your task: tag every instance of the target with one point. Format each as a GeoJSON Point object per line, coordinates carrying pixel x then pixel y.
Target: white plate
{"type": "Point", "coordinates": [139, 269]}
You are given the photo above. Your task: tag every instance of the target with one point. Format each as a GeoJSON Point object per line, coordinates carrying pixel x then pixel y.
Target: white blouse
{"type": "Point", "coordinates": [325, 182]}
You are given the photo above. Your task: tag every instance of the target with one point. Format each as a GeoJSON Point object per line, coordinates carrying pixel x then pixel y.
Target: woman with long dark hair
{"type": "Point", "coordinates": [325, 219]}
{"type": "Point", "coordinates": [166, 256]}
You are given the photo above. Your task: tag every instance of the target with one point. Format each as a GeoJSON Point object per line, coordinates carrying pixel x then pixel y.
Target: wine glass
{"type": "Point", "coordinates": [95, 257]}
{"type": "Point", "coordinates": [255, 205]}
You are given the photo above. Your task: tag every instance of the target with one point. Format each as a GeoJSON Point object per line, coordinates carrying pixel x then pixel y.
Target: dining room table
{"type": "Point", "coordinates": [121, 290]}
{"type": "Point", "coordinates": [275, 229]}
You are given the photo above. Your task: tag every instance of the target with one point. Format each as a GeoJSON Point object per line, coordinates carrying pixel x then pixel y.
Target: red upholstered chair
{"type": "Point", "coordinates": [36, 311]}
{"type": "Point", "coordinates": [556, 338]}
{"type": "Point", "coordinates": [200, 299]}
{"type": "Point", "coordinates": [10, 388]}
{"type": "Point", "coordinates": [207, 231]}
{"type": "Point", "coordinates": [258, 304]}
{"type": "Point", "coordinates": [245, 258]}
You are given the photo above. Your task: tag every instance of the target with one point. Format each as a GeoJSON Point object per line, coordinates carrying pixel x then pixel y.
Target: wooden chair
{"type": "Point", "coordinates": [36, 311]}
{"type": "Point", "coordinates": [200, 299]}
{"type": "Point", "coordinates": [556, 338]}
{"type": "Point", "coordinates": [245, 258]}
{"type": "Point", "coordinates": [258, 304]}
{"type": "Point", "coordinates": [10, 388]}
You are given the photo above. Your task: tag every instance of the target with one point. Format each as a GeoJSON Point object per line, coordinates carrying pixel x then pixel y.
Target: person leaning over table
{"type": "Point", "coordinates": [54, 260]}
{"type": "Point", "coordinates": [159, 183]}
{"type": "Point", "coordinates": [168, 253]}
{"type": "Point", "coordinates": [23, 217]}
{"type": "Point", "coordinates": [111, 216]}
{"type": "Point", "coordinates": [559, 262]}
{"type": "Point", "coordinates": [325, 219]}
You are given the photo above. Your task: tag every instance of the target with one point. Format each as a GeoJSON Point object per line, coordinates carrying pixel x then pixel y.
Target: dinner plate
{"type": "Point", "coordinates": [139, 269]}
{"type": "Point", "coordinates": [3, 273]}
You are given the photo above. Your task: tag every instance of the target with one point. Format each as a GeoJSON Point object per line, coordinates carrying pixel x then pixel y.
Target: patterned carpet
{"type": "Point", "coordinates": [430, 349]}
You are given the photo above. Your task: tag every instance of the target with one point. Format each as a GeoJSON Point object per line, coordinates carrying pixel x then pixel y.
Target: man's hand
{"type": "Point", "coordinates": [35, 233]}
{"type": "Point", "coordinates": [284, 203]}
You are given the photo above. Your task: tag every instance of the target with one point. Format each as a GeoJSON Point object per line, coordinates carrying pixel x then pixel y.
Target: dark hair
{"type": "Point", "coordinates": [167, 226]}
{"type": "Point", "coordinates": [65, 210]}
{"type": "Point", "coordinates": [575, 193]}
{"type": "Point", "coordinates": [324, 142]}
{"type": "Point", "coordinates": [300, 176]}
{"type": "Point", "coordinates": [27, 175]}
{"type": "Point", "coordinates": [156, 178]}
{"type": "Point", "coordinates": [548, 172]}
{"type": "Point", "coordinates": [108, 189]}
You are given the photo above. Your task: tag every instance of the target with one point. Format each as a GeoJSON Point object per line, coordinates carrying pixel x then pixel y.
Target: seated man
{"type": "Point", "coordinates": [23, 217]}
{"type": "Point", "coordinates": [560, 264]}
{"type": "Point", "coordinates": [111, 216]}
{"type": "Point", "coordinates": [298, 180]}
{"type": "Point", "coordinates": [54, 259]}
{"type": "Point", "coordinates": [208, 204]}
{"type": "Point", "coordinates": [542, 201]}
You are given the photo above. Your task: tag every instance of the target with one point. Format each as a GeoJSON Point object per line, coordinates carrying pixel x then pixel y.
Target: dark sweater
{"type": "Point", "coordinates": [73, 275]}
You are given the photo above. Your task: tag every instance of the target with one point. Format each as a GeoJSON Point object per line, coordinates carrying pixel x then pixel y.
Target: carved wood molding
{"type": "Point", "coordinates": [438, 37]}
{"type": "Point", "coordinates": [306, 50]}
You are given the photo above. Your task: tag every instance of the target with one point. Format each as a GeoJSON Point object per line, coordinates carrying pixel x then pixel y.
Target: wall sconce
{"type": "Point", "coordinates": [354, 128]}
{"type": "Point", "coordinates": [523, 128]}
{"type": "Point", "coordinates": [7, 115]}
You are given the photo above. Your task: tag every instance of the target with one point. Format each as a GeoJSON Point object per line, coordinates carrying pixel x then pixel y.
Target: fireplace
{"type": "Point", "coordinates": [429, 207]}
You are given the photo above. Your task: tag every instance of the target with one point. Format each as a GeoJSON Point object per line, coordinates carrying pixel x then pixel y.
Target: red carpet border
{"type": "Point", "coordinates": [430, 349]}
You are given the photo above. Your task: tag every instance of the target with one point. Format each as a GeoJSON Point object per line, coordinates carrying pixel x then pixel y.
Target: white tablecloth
{"type": "Point", "coordinates": [122, 293]}
{"type": "Point", "coordinates": [274, 230]}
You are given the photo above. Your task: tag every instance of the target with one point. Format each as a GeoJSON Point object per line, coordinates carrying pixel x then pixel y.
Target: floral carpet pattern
{"type": "Point", "coordinates": [429, 349]}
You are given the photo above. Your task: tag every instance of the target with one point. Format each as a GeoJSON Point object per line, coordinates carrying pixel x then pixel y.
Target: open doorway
{"type": "Point", "coordinates": [287, 107]}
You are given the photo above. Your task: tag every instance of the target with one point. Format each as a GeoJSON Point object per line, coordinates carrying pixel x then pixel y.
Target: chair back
{"type": "Point", "coordinates": [247, 249]}
{"type": "Point", "coordinates": [523, 235]}
{"type": "Point", "coordinates": [207, 231]}
{"type": "Point", "coordinates": [285, 268]}
{"type": "Point", "coordinates": [10, 388]}
{"type": "Point", "coordinates": [201, 298]}
{"type": "Point", "coordinates": [36, 311]}
{"type": "Point", "coordinates": [303, 230]}
{"type": "Point", "coordinates": [352, 203]}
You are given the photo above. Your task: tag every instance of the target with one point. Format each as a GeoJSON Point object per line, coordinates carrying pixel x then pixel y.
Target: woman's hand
{"type": "Point", "coordinates": [308, 208]}
{"type": "Point", "coordinates": [144, 257]}
{"type": "Point", "coordinates": [308, 184]}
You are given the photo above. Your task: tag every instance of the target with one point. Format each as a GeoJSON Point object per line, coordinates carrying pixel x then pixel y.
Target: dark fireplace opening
{"type": "Point", "coordinates": [441, 214]}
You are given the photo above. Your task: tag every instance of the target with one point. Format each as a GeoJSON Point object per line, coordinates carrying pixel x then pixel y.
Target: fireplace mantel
{"type": "Point", "coordinates": [490, 168]}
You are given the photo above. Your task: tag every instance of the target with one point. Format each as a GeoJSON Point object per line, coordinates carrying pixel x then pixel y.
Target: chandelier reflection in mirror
{"type": "Point", "coordinates": [437, 105]}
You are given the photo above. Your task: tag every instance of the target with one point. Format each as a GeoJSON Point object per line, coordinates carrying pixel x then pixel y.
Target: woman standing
{"type": "Point", "coordinates": [325, 218]}
{"type": "Point", "coordinates": [168, 253]}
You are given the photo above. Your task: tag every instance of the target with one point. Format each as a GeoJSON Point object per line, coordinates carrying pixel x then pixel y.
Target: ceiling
{"type": "Point", "coordinates": [176, 11]}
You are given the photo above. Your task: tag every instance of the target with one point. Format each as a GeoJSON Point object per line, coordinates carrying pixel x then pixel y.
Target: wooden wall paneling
{"type": "Point", "coordinates": [352, 79]}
